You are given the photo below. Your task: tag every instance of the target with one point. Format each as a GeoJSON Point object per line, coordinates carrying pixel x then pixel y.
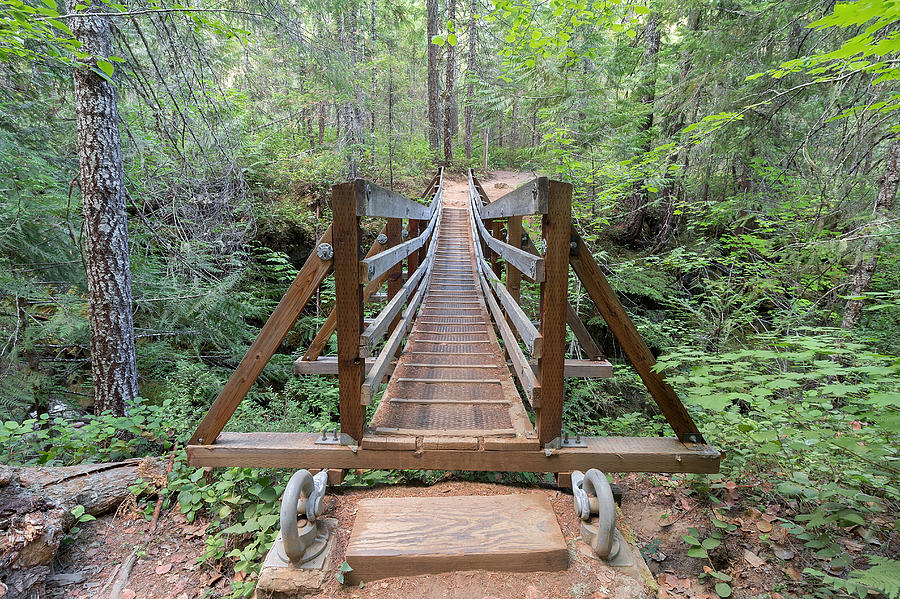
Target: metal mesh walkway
{"type": "Point", "coordinates": [451, 385]}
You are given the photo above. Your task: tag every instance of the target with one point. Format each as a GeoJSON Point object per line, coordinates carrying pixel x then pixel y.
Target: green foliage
{"type": "Point", "coordinates": [882, 577]}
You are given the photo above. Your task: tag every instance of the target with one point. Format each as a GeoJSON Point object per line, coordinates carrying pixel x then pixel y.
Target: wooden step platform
{"type": "Point", "coordinates": [408, 536]}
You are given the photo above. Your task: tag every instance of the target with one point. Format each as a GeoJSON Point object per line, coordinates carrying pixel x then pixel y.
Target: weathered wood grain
{"type": "Point", "coordinates": [349, 306]}
{"type": "Point", "coordinates": [527, 199]}
{"type": "Point", "coordinates": [609, 454]}
{"type": "Point", "coordinates": [374, 200]}
{"type": "Point", "coordinates": [408, 536]}
{"type": "Point", "coordinates": [557, 229]}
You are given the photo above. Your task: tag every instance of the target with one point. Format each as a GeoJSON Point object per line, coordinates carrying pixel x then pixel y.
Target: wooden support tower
{"type": "Point", "coordinates": [451, 400]}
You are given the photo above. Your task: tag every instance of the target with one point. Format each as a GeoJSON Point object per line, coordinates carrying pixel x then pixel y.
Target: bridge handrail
{"type": "Point", "coordinates": [374, 266]}
{"type": "Point", "coordinates": [522, 368]}
{"type": "Point", "coordinates": [375, 331]}
{"type": "Point", "coordinates": [417, 282]}
{"type": "Point", "coordinates": [528, 264]}
{"type": "Point", "coordinates": [525, 200]}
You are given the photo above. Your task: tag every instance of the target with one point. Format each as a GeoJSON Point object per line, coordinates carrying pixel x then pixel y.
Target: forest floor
{"type": "Point", "coordinates": [658, 509]}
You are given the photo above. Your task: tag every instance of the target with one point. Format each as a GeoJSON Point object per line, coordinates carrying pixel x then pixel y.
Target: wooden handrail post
{"type": "Point", "coordinates": [395, 274]}
{"type": "Point", "coordinates": [496, 231]}
{"type": "Point", "coordinates": [349, 300]}
{"type": "Point", "coordinates": [514, 238]}
{"type": "Point", "coordinates": [556, 227]}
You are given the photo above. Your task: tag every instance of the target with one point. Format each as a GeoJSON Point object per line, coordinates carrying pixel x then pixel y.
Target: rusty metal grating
{"type": "Point", "coordinates": [452, 376]}
{"type": "Point", "coordinates": [437, 417]}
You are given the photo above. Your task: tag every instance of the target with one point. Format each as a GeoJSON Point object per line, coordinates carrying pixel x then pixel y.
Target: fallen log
{"type": "Point", "coordinates": [36, 511]}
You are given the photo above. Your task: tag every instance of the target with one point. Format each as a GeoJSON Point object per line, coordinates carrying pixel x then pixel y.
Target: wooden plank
{"type": "Point", "coordinates": [413, 260]}
{"type": "Point", "coordinates": [373, 200]}
{"type": "Point", "coordinates": [556, 229]}
{"type": "Point", "coordinates": [410, 536]}
{"type": "Point", "coordinates": [325, 365]}
{"type": "Point", "coordinates": [523, 325]}
{"type": "Point", "coordinates": [497, 233]}
{"type": "Point", "coordinates": [527, 263]}
{"type": "Point", "coordinates": [392, 345]}
{"type": "Point", "coordinates": [591, 369]}
{"type": "Point", "coordinates": [349, 305]}
{"type": "Point", "coordinates": [609, 454]}
{"type": "Point", "coordinates": [612, 311]}
{"type": "Point", "coordinates": [449, 401]}
{"type": "Point", "coordinates": [263, 348]}
{"type": "Point", "coordinates": [459, 443]}
{"type": "Point", "coordinates": [519, 443]}
{"type": "Point", "coordinates": [526, 376]}
{"type": "Point", "coordinates": [508, 432]}
{"type": "Point", "coordinates": [375, 331]}
{"type": "Point", "coordinates": [371, 268]}
{"type": "Point", "coordinates": [328, 327]}
{"type": "Point", "coordinates": [529, 198]}
{"type": "Point", "coordinates": [581, 333]}
{"type": "Point", "coordinates": [389, 443]}
{"type": "Point", "coordinates": [514, 238]}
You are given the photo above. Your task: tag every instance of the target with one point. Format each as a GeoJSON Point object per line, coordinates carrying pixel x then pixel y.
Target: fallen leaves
{"type": "Point", "coordinates": [754, 560]}
{"type": "Point", "coordinates": [783, 552]}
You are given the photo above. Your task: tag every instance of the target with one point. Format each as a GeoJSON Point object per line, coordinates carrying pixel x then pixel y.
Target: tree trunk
{"type": "Point", "coordinates": [675, 193]}
{"type": "Point", "coordinates": [638, 200]}
{"type": "Point", "coordinates": [36, 510]}
{"type": "Point", "coordinates": [374, 89]}
{"type": "Point", "coordinates": [434, 125]}
{"type": "Point", "coordinates": [865, 268]}
{"type": "Point", "coordinates": [106, 258]}
{"type": "Point", "coordinates": [450, 91]}
{"type": "Point", "coordinates": [470, 86]}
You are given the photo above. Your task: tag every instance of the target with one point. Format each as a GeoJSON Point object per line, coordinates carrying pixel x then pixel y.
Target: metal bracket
{"type": "Point", "coordinates": [325, 251]}
{"type": "Point", "coordinates": [575, 441]}
{"type": "Point", "coordinates": [694, 438]}
{"type": "Point", "coordinates": [337, 438]}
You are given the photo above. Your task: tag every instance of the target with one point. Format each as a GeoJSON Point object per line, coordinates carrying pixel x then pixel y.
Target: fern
{"type": "Point", "coordinates": [883, 577]}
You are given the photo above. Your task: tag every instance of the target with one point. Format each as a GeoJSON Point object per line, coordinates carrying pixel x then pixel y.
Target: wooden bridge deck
{"type": "Point", "coordinates": [451, 387]}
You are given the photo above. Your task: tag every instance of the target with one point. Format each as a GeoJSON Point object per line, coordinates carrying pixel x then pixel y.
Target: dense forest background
{"type": "Point", "coordinates": [735, 166]}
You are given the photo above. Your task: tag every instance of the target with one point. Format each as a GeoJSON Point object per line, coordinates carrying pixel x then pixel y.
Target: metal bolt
{"type": "Point", "coordinates": [573, 245]}
{"type": "Point", "coordinates": [200, 440]}
{"type": "Point", "coordinates": [382, 238]}
{"type": "Point", "coordinates": [335, 437]}
{"type": "Point", "coordinates": [524, 238]}
{"type": "Point", "coordinates": [578, 437]}
{"type": "Point", "coordinates": [404, 234]}
{"type": "Point", "coordinates": [567, 437]}
{"type": "Point", "coordinates": [324, 434]}
{"type": "Point", "coordinates": [533, 190]}
{"type": "Point", "coordinates": [368, 190]}
{"type": "Point", "coordinates": [324, 251]}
